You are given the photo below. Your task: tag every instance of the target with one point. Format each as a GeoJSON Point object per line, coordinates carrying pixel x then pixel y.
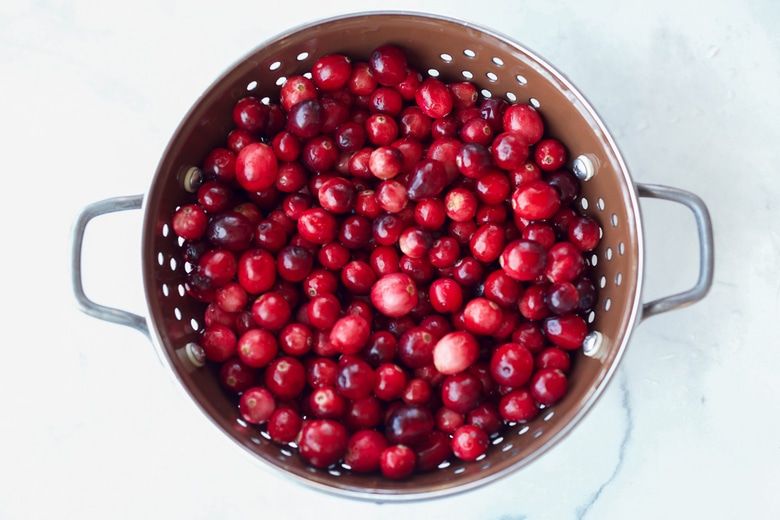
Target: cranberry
{"type": "Point", "coordinates": [518, 405]}
{"type": "Point", "coordinates": [321, 371]}
{"type": "Point", "coordinates": [408, 87]}
{"type": "Point", "coordinates": [469, 442]}
{"type": "Point", "coordinates": [250, 114]}
{"type": "Point", "coordinates": [381, 129]}
{"type": "Point", "coordinates": [446, 295]}
{"type": "Point", "coordinates": [319, 154]}
{"type": "Point", "coordinates": [390, 381]}
{"type": "Point", "coordinates": [482, 316]}
{"type": "Point", "coordinates": [550, 154]}
{"type": "Point", "coordinates": [548, 386]}
{"type": "Point", "coordinates": [284, 425]}
{"type": "Point", "coordinates": [468, 271]}
{"type": "Point", "coordinates": [237, 139]}
{"type": "Point", "coordinates": [412, 122]}
{"type": "Point", "coordinates": [430, 214]}
{"type": "Point", "coordinates": [385, 162]}
{"type": "Point", "coordinates": [305, 119]}
{"type": "Point", "coordinates": [220, 165]}
{"type": "Point", "coordinates": [235, 376]}
{"type": "Point", "coordinates": [455, 352]}
{"type": "Point", "coordinates": [364, 451]}
{"type": "Point", "coordinates": [417, 391]}
{"type": "Point", "coordinates": [256, 271]}
{"type": "Point", "coordinates": [256, 405]}
{"type": "Point", "coordinates": [323, 311]}
{"type": "Point", "coordinates": [448, 420]}
{"type": "Point", "coordinates": [387, 64]}
{"type": "Point", "coordinates": [333, 256]}
{"type": "Point", "coordinates": [541, 232]}
{"type": "Point", "coordinates": [256, 167]}
{"type": "Point", "coordinates": [567, 331]}
{"type": "Point", "coordinates": [511, 365]}
{"type": "Point", "coordinates": [525, 120]}
{"type": "Point", "coordinates": [461, 392]}
{"type": "Point", "coordinates": [355, 232]}
{"type": "Point", "coordinates": [295, 90]}
{"type": "Point", "coordinates": [564, 262]}
{"type": "Point", "coordinates": [385, 100]}
{"type": "Point", "coordinates": [361, 81]}
{"type": "Point", "coordinates": [319, 281]}
{"type": "Point", "coordinates": [536, 200]}
{"type": "Point", "coordinates": [492, 110]}
{"type": "Point", "coordinates": [317, 226]}
{"type": "Point", "coordinates": [257, 347]}
{"type": "Point", "coordinates": [325, 402]}
{"type": "Point", "coordinates": [476, 130]}
{"type": "Point", "coordinates": [487, 242]}
{"type": "Point", "coordinates": [397, 462]}
{"type": "Point", "coordinates": [562, 297]}
{"type": "Point", "coordinates": [271, 311]}
{"type": "Point", "coordinates": [230, 230]}
{"type": "Point", "coordinates": [394, 294]}
{"type": "Point", "coordinates": [432, 451]}
{"type": "Point", "coordinates": [217, 267]}
{"type": "Point", "coordinates": [323, 442]}
{"type": "Point", "coordinates": [331, 72]}
{"type": "Point", "coordinates": [295, 339]}
{"type": "Point", "coordinates": [358, 277]}
{"type": "Point", "coordinates": [285, 377]}
{"type": "Point", "coordinates": [415, 347]}
{"type": "Point", "coordinates": [533, 302]}
{"type": "Point", "coordinates": [408, 424]}
{"type": "Point", "coordinates": [584, 232]}
{"type": "Point", "coordinates": [294, 263]}
{"type": "Point", "coordinates": [523, 260]}
{"type": "Point", "coordinates": [460, 204]}
{"type": "Point", "coordinates": [350, 334]}
{"type": "Point", "coordinates": [381, 348]}
{"type": "Point", "coordinates": [473, 160]}
{"type": "Point", "coordinates": [433, 98]}
{"type": "Point", "coordinates": [510, 150]}
{"type": "Point", "coordinates": [553, 357]}
{"type": "Point", "coordinates": [427, 179]}
{"type": "Point", "coordinates": [486, 417]}
{"type": "Point", "coordinates": [499, 287]}
{"type": "Point", "coordinates": [587, 291]}
{"type": "Point", "coordinates": [218, 342]}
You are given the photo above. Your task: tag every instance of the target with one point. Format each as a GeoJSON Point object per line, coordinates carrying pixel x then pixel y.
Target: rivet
{"type": "Point", "coordinates": [193, 178]}
{"type": "Point", "coordinates": [195, 354]}
{"type": "Point", "coordinates": [592, 343]}
{"type": "Point", "coordinates": [583, 167]}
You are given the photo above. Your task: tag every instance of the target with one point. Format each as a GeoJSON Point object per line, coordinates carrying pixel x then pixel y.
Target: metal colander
{"type": "Point", "coordinates": [453, 50]}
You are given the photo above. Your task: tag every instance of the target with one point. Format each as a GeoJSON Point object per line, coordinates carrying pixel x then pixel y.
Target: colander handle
{"type": "Point", "coordinates": [84, 303]}
{"type": "Point", "coordinates": [706, 249]}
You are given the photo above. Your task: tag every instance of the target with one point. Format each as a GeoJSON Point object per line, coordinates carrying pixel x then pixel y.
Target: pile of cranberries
{"type": "Point", "coordinates": [392, 267]}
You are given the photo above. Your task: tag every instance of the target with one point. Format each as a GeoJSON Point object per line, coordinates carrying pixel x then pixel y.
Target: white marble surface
{"type": "Point", "coordinates": [94, 427]}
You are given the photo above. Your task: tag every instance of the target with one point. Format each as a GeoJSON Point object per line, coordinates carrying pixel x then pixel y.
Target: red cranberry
{"type": "Point", "coordinates": [394, 294]}
{"type": "Point", "coordinates": [387, 64]}
{"type": "Point", "coordinates": [256, 271]}
{"type": "Point", "coordinates": [295, 90]}
{"type": "Point", "coordinates": [322, 442]}
{"type": "Point", "coordinates": [432, 451]}
{"type": "Point", "coordinates": [511, 365]}
{"type": "Point", "coordinates": [433, 98]}
{"type": "Point", "coordinates": [525, 120]}
{"type": "Point", "coordinates": [550, 154]}
{"type": "Point", "coordinates": [284, 425]}
{"type": "Point", "coordinates": [317, 226]}
{"type": "Point", "coordinates": [294, 263]}
{"type": "Point", "coordinates": [533, 302]}
{"type": "Point", "coordinates": [415, 347]}
{"type": "Point", "coordinates": [487, 242]}
{"type": "Point", "coordinates": [562, 297]}
{"type": "Point", "coordinates": [584, 232]}
{"type": "Point", "coordinates": [553, 357]}
{"type": "Point", "coordinates": [323, 311]}
{"type": "Point", "coordinates": [256, 167]}
{"type": "Point", "coordinates": [567, 331]}
{"type": "Point", "coordinates": [482, 316]}
{"type": "Point", "coordinates": [285, 377]}
{"type": "Point", "coordinates": [548, 386]}
{"type": "Point", "coordinates": [523, 260]}
{"type": "Point", "coordinates": [509, 150]}
{"type": "Point", "coordinates": [417, 391]}
{"type": "Point", "coordinates": [460, 204]}
{"type": "Point", "coordinates": [331, 72]}
{"type": "Point", "coordinates": [333, 256]}
{"type": "Point", "coordinates": [350, 334]}
{"type": "Point", "coordinates": [257, 347]}
{"type": "Point", "coordinates": [364, 451]}
{"type": "Point", "coordinates": [390, 381]}
{"type": "Point", "coordinates": [295, 339]}
{"type": "Point", "coordinates": [321, 371]}
{"type": "Point", "coordinates": [564, 262]}
{"type": "Point", "coordinates": [412, 122]}
{"type": "Point", "coordinates": [250, 114]}
{"type": "Point", "coordinates": [486, 417]}
{"type": "Point", "coordinates": [325, 402]}
{"type": "Point", "coordinates": [256, 405]}
{"type": "Point", "coordinates": [446, 295]}
{"type": "Point", "coordinates": [476, 130]}
{"type": "Point", "coordinates": [461, 392]}
{"type": "Point", "coordinates": [518, 406]}
{"type": "Point", "coordinates": [358, 277]}
{"type": "Point", "coordinates": [469, 442]}
{"type": "Point", "coordinates": [499, 287]}
{"type": "Point", "coordinates": [536, 200]}
{"type": "Point", "coordinates": [220, 165]}
{"type": "Point", "coordinates": [218, 342]}
{"type": "Point", "coordinates": [397, 462]}
{"type": "Point", "coordinates": [271, 311]}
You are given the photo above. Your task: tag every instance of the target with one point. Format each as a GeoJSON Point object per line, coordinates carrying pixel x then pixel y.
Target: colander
{"type": "Point", "coordinates": [453, 50]}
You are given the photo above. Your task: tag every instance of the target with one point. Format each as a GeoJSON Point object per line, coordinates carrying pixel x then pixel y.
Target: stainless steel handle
{"type": "Point", "coordinates": [85, 304]}
{"type": "Point", "coordinates": [706, 249]}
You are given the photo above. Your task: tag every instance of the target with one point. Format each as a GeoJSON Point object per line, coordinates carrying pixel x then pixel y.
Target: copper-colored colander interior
{"type": "Point", "coordinates": [452, 50]}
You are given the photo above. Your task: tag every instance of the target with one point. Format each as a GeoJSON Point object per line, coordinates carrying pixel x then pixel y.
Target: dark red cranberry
{"type": "Point", "coordinates": [381, 348]}
{"type": "Point", "coordinates": [364, 451]}
{"type": "Point", "coordinates": [553, 357]}
{"type": "Point", "coordinates": [468, 271]}
{"type": "Point", "coordinates": [305, 119]}
{"type": "Point", "coordinates": [250, 114]}
{"type": "Point", "coordinates": [584, 232]}
{"type": "Point", "coordinates": [562, 297]}
{"type": "Point", "coordinates": [486, 417]}
{"type": "Point", "coordinates": [461, 392]}
{"type": "Point", "coordinates": [294, 263]}
{"type": "Point", "coordinates": [355, 232]}
{"type": "Point", "coordinates": [220, 165]}
{"type": "Point", "coordinates": [427, 179]}
{"type": "Point", "coordinates": [533, 302]}
{"type": "Point", "coordinates": [548, 386]}
{"type": "Point", "coordinates": [388, 65]}
{"type": "Point", "coordinates": [408, 424]}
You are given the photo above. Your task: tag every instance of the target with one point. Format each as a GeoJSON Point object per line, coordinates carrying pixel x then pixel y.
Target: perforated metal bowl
{"type": "Point", "coordinates": [453, 50]}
